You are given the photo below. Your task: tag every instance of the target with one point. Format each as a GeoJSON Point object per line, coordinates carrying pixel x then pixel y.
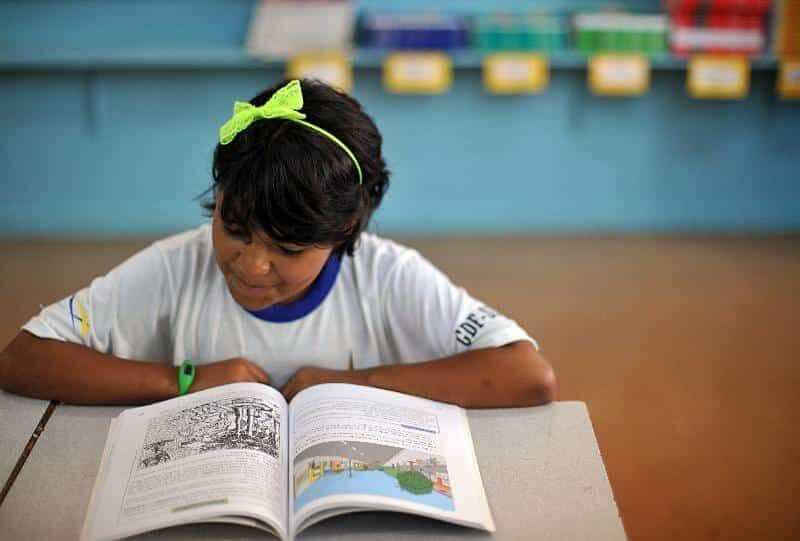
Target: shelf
{"type": "Point", "coordinates": [198, 58]}
{"type": "Point", "coordinates": [134, 58]}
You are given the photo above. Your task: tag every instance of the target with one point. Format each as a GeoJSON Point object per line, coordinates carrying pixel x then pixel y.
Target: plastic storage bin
{"type": "Point", "coordinates": [621, 32]}
{"type": "Point", "coordinates": [420, 31]}
{"type": "Point", "coordinates": [519, 32]}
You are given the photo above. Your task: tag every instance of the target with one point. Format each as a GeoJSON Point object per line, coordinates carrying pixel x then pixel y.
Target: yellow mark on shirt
{"type": "Point", "coordinates": [84, 318]}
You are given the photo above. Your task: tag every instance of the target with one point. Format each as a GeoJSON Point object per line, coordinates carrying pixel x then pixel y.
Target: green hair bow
{"type": "Point", "coordinates": [284, 104]}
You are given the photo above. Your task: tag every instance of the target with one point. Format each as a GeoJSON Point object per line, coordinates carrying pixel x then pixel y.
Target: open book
{"type": "Point", "coordinates": [239, 453]}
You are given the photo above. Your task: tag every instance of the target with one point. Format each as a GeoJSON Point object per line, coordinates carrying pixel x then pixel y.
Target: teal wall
{"type": "Point", "coordinates": [112, 149]}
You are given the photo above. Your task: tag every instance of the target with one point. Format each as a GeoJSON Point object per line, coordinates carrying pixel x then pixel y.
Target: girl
{"type": "Point", "coordinates": [284, 287]}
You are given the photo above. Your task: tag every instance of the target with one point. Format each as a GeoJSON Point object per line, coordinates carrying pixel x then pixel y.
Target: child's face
{"type": "Point", "coordinates": [261, 272]}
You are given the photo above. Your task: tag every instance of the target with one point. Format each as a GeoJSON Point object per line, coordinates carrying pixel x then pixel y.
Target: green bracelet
{"type": "Point", "coordinates": [186, 373]}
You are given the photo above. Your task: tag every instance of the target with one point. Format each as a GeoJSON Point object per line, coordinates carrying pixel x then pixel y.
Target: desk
{"type": "Point", "coordinates": [19, 416]}
{"type": "Point", "coordinates": [541, 466]}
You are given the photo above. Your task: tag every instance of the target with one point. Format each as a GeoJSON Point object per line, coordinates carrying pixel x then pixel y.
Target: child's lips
{"type": "Point", "coordinates": [247, 286]}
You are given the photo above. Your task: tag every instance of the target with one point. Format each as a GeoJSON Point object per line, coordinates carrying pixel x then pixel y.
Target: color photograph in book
{"type": "Point", "coordinates": [353, 467]}
{"type": "Point", "coordinates": [234, 423]}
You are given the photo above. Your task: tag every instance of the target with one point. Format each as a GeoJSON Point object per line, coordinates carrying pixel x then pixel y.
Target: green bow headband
{"type": "Point", "coordinates": [286, 104]}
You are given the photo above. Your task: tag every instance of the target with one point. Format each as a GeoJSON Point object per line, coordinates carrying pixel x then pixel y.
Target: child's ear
{"type": "Point", "coordinates": [218, 196]}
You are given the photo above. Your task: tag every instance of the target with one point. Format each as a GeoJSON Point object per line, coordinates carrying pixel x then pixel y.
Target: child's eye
{"type": "Point", "coordinates": [237, 233]}
{"type": "Point", "coordinates": [290, 251]}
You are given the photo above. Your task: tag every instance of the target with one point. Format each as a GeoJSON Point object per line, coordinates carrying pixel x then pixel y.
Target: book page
{"type": "Point", "coordinates": [360, 447]}
{"type": "Point", "coordinates": [216, 454]}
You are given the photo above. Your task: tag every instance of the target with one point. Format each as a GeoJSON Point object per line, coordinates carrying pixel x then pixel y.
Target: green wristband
{"type": "Point", "coordinates": [186, 373]}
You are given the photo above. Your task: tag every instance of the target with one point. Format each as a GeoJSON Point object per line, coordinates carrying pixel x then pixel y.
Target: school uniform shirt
{"type": "Point", "coordinates": [170, 302]}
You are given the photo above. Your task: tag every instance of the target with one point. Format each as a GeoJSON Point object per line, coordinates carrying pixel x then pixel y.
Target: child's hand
{"type": "Point", "coordinates": [309, 376]}
{"type": "Point", "coordinates": [228, 371]}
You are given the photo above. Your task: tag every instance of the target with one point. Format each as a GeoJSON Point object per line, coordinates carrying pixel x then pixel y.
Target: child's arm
{"type": "Point", "coordinates": [76, 374]}
{"type": "Point", "coordinates": [508, 376]}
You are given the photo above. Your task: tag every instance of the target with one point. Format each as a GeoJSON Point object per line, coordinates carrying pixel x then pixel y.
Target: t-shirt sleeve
{"type": "Point", "coordinates": [426, 316]}
{"type": "Point", "coordinates": [125, 313]}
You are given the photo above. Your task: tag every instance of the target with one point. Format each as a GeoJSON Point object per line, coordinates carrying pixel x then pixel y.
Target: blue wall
{"type": "Point", "coordinates": [112, 150]}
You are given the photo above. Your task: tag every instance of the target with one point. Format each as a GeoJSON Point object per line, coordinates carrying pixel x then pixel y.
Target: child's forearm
{"type": "Point", "coordinates": [75, 374]}
{"type": "Point", "coordinates": [508, 376]}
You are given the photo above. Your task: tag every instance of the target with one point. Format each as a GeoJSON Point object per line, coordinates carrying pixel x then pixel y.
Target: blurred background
{"type": "Point", "coordinates": [622, 178]}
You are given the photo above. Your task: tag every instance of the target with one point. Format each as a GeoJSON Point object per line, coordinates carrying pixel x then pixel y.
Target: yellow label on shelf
{"type": "Point", "coordinates": [718, 77]}
{"type": "Point", "coordinates": [789, 79]}
{"type": "Point", "coordinates": [417, 73]}
{"type": "Point", "coordinates": [619, 74]}
{"type": "Point", "coordinates": [331, 67]}
{"type": "Point", "coordinates": [515, 73]}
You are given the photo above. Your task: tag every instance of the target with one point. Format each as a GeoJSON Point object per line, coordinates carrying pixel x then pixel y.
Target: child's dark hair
{"type": "Point", "coordinates": [296, 185]}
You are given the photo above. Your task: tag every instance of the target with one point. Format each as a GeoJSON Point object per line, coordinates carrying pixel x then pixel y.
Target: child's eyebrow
{"type": "Point", "coordinates": [266, 239]}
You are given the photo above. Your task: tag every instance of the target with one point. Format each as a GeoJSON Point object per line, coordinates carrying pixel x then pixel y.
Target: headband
{"type": "Point", "coordinates": [286, 104]}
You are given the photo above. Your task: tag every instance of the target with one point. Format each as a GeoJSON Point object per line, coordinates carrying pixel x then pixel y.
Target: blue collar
{"type": "Point", "coordinates": [284, 313]}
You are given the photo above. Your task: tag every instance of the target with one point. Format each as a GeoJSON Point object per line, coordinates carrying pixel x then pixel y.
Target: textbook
{"type": "Point", "coordinates": [240, 454]}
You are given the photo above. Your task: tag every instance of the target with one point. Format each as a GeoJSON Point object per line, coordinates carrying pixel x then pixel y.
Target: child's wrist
{"type": "Point", "coordinates": [159, 382]}
{"type": "Point", "coordinates": [360, 377]}
{"type": "Point", "coordinates": [185, 376]}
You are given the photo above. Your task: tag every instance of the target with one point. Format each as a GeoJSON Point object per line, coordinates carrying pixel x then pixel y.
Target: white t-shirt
{"type": "Point", "coordinates": [170, 302]}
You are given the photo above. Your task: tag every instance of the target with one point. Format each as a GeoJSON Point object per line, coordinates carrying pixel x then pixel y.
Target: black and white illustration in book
{"type": "Point", "coordinates": [233, 423]}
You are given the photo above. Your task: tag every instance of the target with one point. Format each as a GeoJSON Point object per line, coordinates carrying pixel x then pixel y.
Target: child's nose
{"type": "Point", "coordinates": [255, 260]}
